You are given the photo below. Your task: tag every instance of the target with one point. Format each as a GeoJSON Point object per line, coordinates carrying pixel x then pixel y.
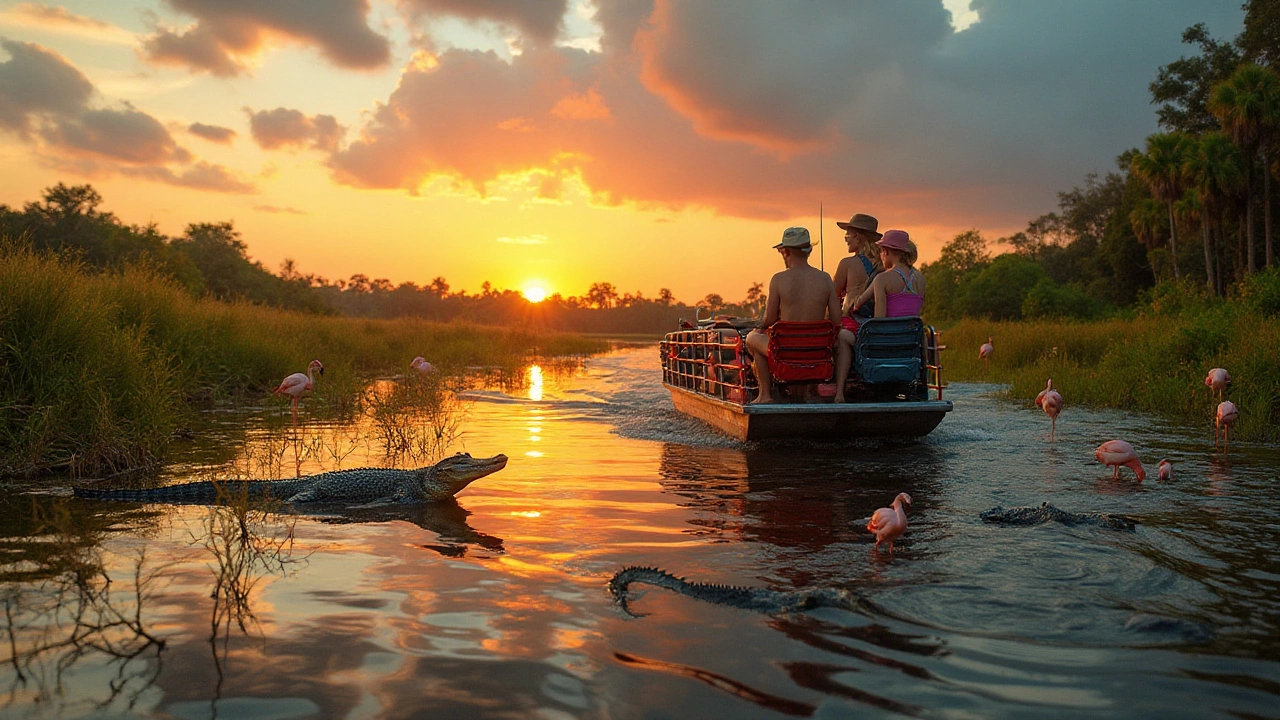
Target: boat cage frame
{"type": "Point", "coordinates": [714, 360]}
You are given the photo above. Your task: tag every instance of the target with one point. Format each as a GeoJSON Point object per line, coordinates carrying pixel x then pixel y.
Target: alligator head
{"type": "Point", "coordinates": [452, 474]}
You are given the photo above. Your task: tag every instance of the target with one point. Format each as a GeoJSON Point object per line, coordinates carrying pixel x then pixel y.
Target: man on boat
{"type": "Point", "coordinates": [801, 293]}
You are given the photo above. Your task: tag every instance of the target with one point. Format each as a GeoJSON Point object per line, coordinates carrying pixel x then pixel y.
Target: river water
{"type": "Point", "coordinates": [497, 607]}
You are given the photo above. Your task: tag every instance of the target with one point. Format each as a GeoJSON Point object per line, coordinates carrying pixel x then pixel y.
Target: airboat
{"type": "Point", "coordinates": [894, 389]}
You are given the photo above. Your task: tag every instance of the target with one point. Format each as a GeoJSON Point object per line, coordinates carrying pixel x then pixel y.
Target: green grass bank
{"type": "Point", "coordinates": [97, 371]}
{"type": "Point", "coordinates": [1152, 362]}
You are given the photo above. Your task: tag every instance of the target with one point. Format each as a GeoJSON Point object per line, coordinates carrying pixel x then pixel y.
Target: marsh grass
{"type": "Point", "coordinates": [415, 419]}
{"type": "Point", "coordinates": [1149, 363]}
{"type": "Point", "coordinates": [97, 371]}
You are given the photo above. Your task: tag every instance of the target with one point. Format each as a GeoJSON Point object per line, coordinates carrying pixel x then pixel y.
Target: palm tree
{"type": "Point", "coordinates": [1215, 169]}
{"type": "Point", "coordinates": [1248, 106]}
{"type": "Point", "coordinates": [1161, 168]}
{"type": "Point", "coordinates": [1148, 220]}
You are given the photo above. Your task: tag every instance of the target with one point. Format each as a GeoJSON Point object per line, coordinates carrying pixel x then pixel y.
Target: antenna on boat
{"type": "Point", "coordinates": [822, 247]}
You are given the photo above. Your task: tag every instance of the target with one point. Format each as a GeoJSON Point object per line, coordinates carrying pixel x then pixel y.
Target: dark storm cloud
{"type": "Point", "coordinates": [759, 108]}
{"type": "Point", "coordinates": [781, 75]}
{"type": "Point", "coordinates": [228, 34]}
{"type": "Point", "coordinates": [283, 128]}
{"type": "Point", "coordinates": [212, 133]}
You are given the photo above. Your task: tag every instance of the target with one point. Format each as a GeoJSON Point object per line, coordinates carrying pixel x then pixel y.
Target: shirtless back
{"type": "Point", "coordinates": [804, 294]}
{"type": "Point", "coordinates": [801, 293]}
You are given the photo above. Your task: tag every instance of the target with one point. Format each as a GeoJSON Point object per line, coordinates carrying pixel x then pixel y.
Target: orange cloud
{"type": "Point", "coordinates": [57, 16]}
{"type": "Point", "coordinates": [582, 106]}
{"type": "Point", "coordinates": [227, 37]}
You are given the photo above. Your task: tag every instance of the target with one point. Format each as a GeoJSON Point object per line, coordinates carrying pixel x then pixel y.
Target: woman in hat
{"type": "Point", "coordinates": [898, 292]}
{"type": "Point", "coordinates": [854, 273]}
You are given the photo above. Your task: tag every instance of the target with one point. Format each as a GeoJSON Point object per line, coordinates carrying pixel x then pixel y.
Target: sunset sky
{"type": "Point", "coordinates": [647, 143]}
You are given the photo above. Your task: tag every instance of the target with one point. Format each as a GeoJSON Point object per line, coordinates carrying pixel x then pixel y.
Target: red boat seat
{"type": "Point", "coordinates": [802, 351]}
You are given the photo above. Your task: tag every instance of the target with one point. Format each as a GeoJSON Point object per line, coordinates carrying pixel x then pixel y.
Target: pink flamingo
{"type": "Point", "coordinates": [1218, 379]}
{"type": "Point", "coordinates": [1117, 453]}
{"type": "Point", "coordinates": [421, 365]}
{"type": "Point", "coordinates": [1227, 412]}
{"type": "Point", "coordinates": [1166, 470]}
{"type": "Point", "coordinates": [889, 523]}
{"type": "Point", "coordinates": [984, 352]}
{"type": "Point", "coordinates": [1050, 401]}
{"type": "Point", "coordinates": [296, 384]}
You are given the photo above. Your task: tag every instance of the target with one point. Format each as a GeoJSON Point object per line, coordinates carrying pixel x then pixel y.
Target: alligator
{"type": "Point", "coordinates": [1047, 512]}
{"type": "Point", "coordinates": [432, 483]}
{"type": "Point", "coordinates": [746, 598]}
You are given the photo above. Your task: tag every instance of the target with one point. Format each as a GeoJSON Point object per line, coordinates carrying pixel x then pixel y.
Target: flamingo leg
{"type": "Point", "coordinates": [295, 413]}
{"type": "Point", "coordinates": [1053, 430]}
{"type": "Point", "coordinates": [1116, 474]}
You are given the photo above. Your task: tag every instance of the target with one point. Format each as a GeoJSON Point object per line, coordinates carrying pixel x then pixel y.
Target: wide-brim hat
{"type": "Point", "coordinates": [866, 223]}
{"type": "Point", "coordinates": [794, 237]}
{"type": "Point", "coordinates": [895, 240]}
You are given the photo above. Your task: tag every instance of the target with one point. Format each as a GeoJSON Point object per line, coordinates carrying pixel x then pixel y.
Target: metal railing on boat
{"type": "Point", "coordinates": [714, 361]}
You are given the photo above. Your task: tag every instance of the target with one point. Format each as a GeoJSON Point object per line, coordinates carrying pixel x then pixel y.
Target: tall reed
{"type": "Point", "coordinates": [98, 370]}
{"type": "Point", "coordinates": [1153, 364]}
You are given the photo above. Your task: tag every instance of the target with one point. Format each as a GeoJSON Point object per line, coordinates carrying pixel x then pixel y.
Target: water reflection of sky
{"type": "Point", "coordinates": [495, 606]}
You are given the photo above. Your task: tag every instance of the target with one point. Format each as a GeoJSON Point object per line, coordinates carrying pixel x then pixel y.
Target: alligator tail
{"type": "Point", "coordinates": [759, 599]}
{"type": "Point", "coordinates": [202, 492]}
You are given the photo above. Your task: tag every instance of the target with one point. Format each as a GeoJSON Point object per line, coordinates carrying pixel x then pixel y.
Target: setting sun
{"type": "Point", "coordinates": [534, 293]}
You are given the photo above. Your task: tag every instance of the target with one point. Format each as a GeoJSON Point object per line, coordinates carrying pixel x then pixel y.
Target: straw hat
{"type": "Point", "coordinates": [794, 237]}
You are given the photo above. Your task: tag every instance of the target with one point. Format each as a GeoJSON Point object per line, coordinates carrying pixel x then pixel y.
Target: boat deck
{"type": "Point", "coordinates": [908, 418]}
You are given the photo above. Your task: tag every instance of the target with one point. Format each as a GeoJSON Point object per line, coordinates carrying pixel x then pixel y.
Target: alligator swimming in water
{"type": "Point", "coordinates": [365, 485]}
{"type": "Point", "coordinates": [746, 598]}
{"type": "Point", "coordinates": [1046, 513]}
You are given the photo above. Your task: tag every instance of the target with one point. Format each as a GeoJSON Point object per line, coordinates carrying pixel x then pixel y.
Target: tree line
{"type": "Point", "coordinates": [1184, 209]}
{"type": "Point", "coordinates": [210, 259]}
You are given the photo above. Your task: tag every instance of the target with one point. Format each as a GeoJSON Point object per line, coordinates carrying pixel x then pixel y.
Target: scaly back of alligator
{"type": "Point", "coordinates": [1048, 513]}
{"type": "Point", "coordinates": [205, 491]}
{"type": "Point", "coordinates": [758, 599]}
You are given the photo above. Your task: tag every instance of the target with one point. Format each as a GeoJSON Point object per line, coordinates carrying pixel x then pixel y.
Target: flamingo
{"type": "Point", "coordinates": [1050, 401]}
{"type": "Point", "coordinates": [1166, 470]}
{"type": "Point", "coordinates": [984, 352]}
{"type": "Point", "coordinates": [421, 365]}
{"type": "Point", "coordinates": [1227, 412]}
{"type": "Point", "coordinates": [889, 523]}
{"type": "Point", "coordinates": [296, 384]}
{"type": "Point", "coordinates": [1219, 380]}
{"type": "Point", "coordinates": [1117, 453]}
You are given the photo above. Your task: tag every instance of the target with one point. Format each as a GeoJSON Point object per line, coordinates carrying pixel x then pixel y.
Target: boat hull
{"type": "Point", "coordinates": [816, 420]}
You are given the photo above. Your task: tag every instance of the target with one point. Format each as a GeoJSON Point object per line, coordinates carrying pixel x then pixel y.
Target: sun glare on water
{"type": "Point", "coordinates": [534, 293]}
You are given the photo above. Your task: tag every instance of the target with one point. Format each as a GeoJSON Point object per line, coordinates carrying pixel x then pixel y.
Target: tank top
{"type": "Point", "coordinates": [906, 303]}
{"type": "Point", "coordinates": [868, 308]}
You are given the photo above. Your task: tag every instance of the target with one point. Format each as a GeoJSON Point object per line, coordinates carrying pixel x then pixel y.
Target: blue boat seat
{"type": "Point", "coordinates": [890, 350]}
